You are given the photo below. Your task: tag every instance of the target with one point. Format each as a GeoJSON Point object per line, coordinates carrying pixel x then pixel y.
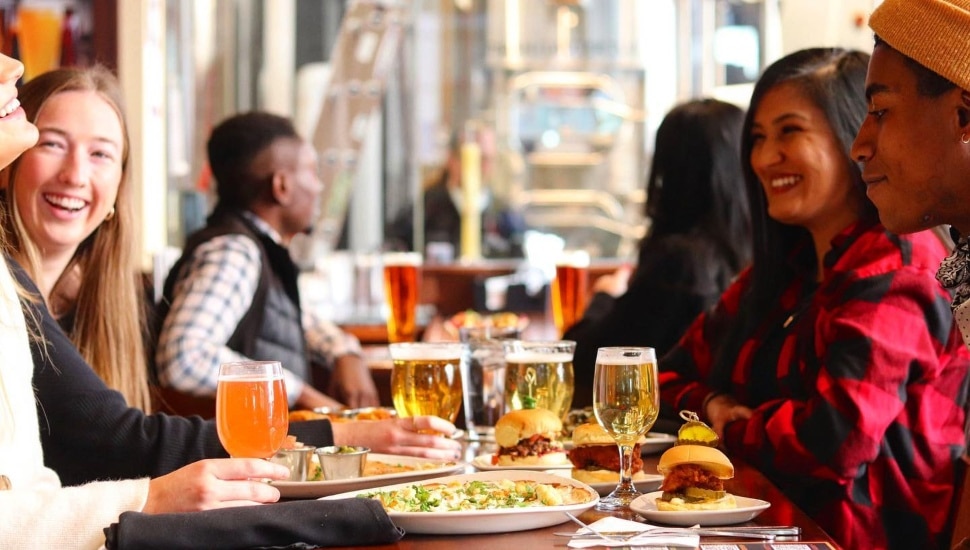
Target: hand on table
{"type": "Point", "coordinates": [615, 284]}
{"type": "Point", "coordinates": [311, 398]}
{"type": "Point", "coordinates": [214, 483]}
{"type": "Point", "coordinates": [722, 409]}
{"type": "Point", "coordinates": [352, 382]}
{"type": "Point", "coordinates": [400, 436]}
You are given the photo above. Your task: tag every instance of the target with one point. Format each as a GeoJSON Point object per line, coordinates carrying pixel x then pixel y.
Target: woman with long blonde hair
{"type": "Point", "coordinates": [70, 221]}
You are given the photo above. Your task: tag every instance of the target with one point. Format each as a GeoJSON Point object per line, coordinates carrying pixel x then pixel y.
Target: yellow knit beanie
{"type": "Point", "coordinates": [934, 33]}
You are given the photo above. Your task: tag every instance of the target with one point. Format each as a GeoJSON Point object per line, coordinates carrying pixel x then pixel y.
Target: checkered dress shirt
{"type": "Point", "coordinates": [213, 294]}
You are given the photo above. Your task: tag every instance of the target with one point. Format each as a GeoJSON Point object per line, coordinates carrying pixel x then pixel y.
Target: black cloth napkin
{"type": "Point", "coordinates": [293, 525]}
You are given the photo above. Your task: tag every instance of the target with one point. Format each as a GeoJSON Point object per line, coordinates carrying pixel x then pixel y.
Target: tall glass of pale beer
{"type": "Point", "coordinates": [252, 413]}
{"type": "Point", "coordinates": [569, 289]}
{"type": "Point", "coordinates": [426, 379]}
{"type": "Point", "coordinates": [539, 374]}
{"type": "Point", "coordinates": [402, 289]}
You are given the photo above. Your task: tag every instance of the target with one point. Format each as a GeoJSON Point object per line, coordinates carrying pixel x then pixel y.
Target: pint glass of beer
{"type": "Point", "coordinates": [569, 289]}
{"type": "Point", "coordinates": [539, 373]}
{"type": "Point", "coordinates": [426, 379]}
{"type": "Point", "coordinates": [402, 285]}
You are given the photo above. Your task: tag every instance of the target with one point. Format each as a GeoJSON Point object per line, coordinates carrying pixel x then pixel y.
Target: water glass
{"type": "Point", "coordinates": [484, 377]}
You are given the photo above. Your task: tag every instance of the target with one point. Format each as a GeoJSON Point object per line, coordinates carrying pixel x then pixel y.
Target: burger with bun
{"type": "Point", "coordinates": [595, 457]}
{"type": "Point", "coordinates": [693, 479]}
{"type": "Point", "coordinates": [529, 437]}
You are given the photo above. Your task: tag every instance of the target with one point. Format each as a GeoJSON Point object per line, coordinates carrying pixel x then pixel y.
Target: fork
{"type": "Point", "coordinates": [740, 532]}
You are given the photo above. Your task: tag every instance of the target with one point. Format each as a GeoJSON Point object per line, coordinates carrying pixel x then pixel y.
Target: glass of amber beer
{"type": "Point", "coordinates": [569, 289]}
{"type": "Point", "coordinates": [540, 373]}
{"type": "Point", "coordinates": [402, 286]}
{"type": "Point", "coordinates": [251, 408]}
{"type": "Point", "coordinates": [426, 379]}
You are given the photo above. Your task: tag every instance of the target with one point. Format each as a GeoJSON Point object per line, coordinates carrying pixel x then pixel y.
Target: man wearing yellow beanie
{"type": "Point", "coordinates": [915, 143]}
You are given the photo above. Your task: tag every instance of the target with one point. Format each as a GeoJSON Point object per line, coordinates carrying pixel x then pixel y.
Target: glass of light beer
{"type": "Point", "coordinates": [626, 402]}
{"type": "Point", "coordinates": [569, 289]}
{"type": "Point", "coordinates": [426, 379]}
{"type": "Point", "coordinates": [252, 413]}
{"type": "Point", "coordinates": [540, 372]}
{"type": "Point", "coordinates": [402, 286]}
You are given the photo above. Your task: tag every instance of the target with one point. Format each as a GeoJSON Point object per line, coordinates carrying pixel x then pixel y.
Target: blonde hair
{"type": "Point", "coordinates": [109, 322]}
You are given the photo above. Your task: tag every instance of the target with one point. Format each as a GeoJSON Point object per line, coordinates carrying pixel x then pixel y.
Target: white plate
{"type": "Point", "coordinates": [484, 463]}
{"type": "Point", "coordinates": [649, 483]}
{"type": "Point", "coordinates": [747, 509]}
{"type": "Point", "coordinates": [316, 489]}
{"type": "Point", "coordinates": [499, 520]}
{"type": "Point", "coordinates": [657, 442]}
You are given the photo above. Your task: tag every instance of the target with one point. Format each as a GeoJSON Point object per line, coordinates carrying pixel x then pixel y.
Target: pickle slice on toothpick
{"type": "Point", "coordinates": [695, 432]}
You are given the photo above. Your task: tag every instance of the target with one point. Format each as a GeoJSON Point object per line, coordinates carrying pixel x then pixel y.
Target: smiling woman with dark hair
{"type": "Point", "coordinates": [699, 239]}
{"type": "Point", "coordinates": [833, 364]}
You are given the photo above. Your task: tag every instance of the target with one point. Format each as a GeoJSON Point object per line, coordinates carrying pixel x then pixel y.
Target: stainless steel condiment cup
{"type": "Point", "coordinates": [342, 462]}
{"type": "Point", "coordinates": [297, 460]}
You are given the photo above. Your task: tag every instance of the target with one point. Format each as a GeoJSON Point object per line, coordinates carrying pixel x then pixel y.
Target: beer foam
{"type": "Point", "coordinates": [573, 258]}
{"type": "Point", "coordinates": [537, 357]}
{"type": "Point", "coordinates": [643, 360]}
{"type": "Point", "coordinates": [250, 377]}
{"type": "Point", "coordinates": [401, 258]}
{"type": "Point", "coordinates": [435, 353]}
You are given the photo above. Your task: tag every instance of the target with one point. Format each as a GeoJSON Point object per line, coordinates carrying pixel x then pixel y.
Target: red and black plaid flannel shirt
{"type": "Point", "coordinates": [859, 399]}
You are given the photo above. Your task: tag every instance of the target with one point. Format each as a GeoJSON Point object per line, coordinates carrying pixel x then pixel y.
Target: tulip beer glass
{"type": "Point", "coordinates": [402, 290]}
{"type": "Point", "coordinates": [569, 289]}
{"type": "Point", "coordinates": [541, 372]}
{"type": "Point", "coordinates": [626, 402]}
{"type": "Point", "coordinates": [426, 379]}
{"type": "Point", "coordinates": [251, 408]}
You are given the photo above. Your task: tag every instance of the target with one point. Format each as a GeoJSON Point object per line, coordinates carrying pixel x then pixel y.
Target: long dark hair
{"type": "Point", "coordinates": [834, 80]}
{"type": "Point", "coordinates": [695, 182]}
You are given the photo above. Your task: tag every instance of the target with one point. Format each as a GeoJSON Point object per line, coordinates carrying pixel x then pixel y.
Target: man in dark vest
{"type": "Point", "coordinates": [233, 294]}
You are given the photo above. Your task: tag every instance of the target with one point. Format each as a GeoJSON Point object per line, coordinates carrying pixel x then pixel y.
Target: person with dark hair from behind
{"type": "Point", "coordinates": [699, 239]}
{"type": "Point", "coordinates": [233, 293]}
{"type": "Point", "coordinates": [832, 364]}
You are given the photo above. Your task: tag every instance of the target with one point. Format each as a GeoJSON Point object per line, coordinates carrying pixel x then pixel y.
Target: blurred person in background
{"type": "Point", "coordinates": [444, 200]}
{"type": "Point", "coordinates": [832, 364]}
{"type": "Point", "coordinates": [233, 294]}
{"type": "Point", "coordinates": [699, 239]}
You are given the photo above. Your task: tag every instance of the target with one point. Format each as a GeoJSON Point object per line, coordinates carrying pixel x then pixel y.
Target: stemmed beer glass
{"type": "Point", "coordinates": [251, 408]}
{"type": "Point", "coordinates": [626, 402]}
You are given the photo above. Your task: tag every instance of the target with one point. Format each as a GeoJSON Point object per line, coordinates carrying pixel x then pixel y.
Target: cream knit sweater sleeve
{"type": "Point", "coordinates": [37, 512]}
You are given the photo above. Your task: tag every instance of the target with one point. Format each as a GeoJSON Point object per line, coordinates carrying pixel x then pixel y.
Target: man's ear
{"type": "Point", "coordinates": [280, 188]}
{"type": "Point", "coordinates": [963, 111]}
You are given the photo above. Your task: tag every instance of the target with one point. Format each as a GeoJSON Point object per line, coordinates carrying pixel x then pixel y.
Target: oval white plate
{"type": "Point", "coordinates": [747, 509]}
{"type": "Point", "coordinates": [484, 463]}
{"type": "Point", "coordinates": [657, 442]}
{"type": "Point", "coordinates": [650, 483]}
{"type": "Point", "coordinates": [500, 520]}
{"type": "Point", "coordinates": [316, 489]}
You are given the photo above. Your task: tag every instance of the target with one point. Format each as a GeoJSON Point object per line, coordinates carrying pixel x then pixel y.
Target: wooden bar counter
{"type": "Point", "coordinates": [747, 482]}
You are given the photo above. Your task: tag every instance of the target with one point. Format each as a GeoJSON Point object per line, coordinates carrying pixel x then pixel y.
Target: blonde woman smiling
{"type": "Point", "coordinates": [71, 221]}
